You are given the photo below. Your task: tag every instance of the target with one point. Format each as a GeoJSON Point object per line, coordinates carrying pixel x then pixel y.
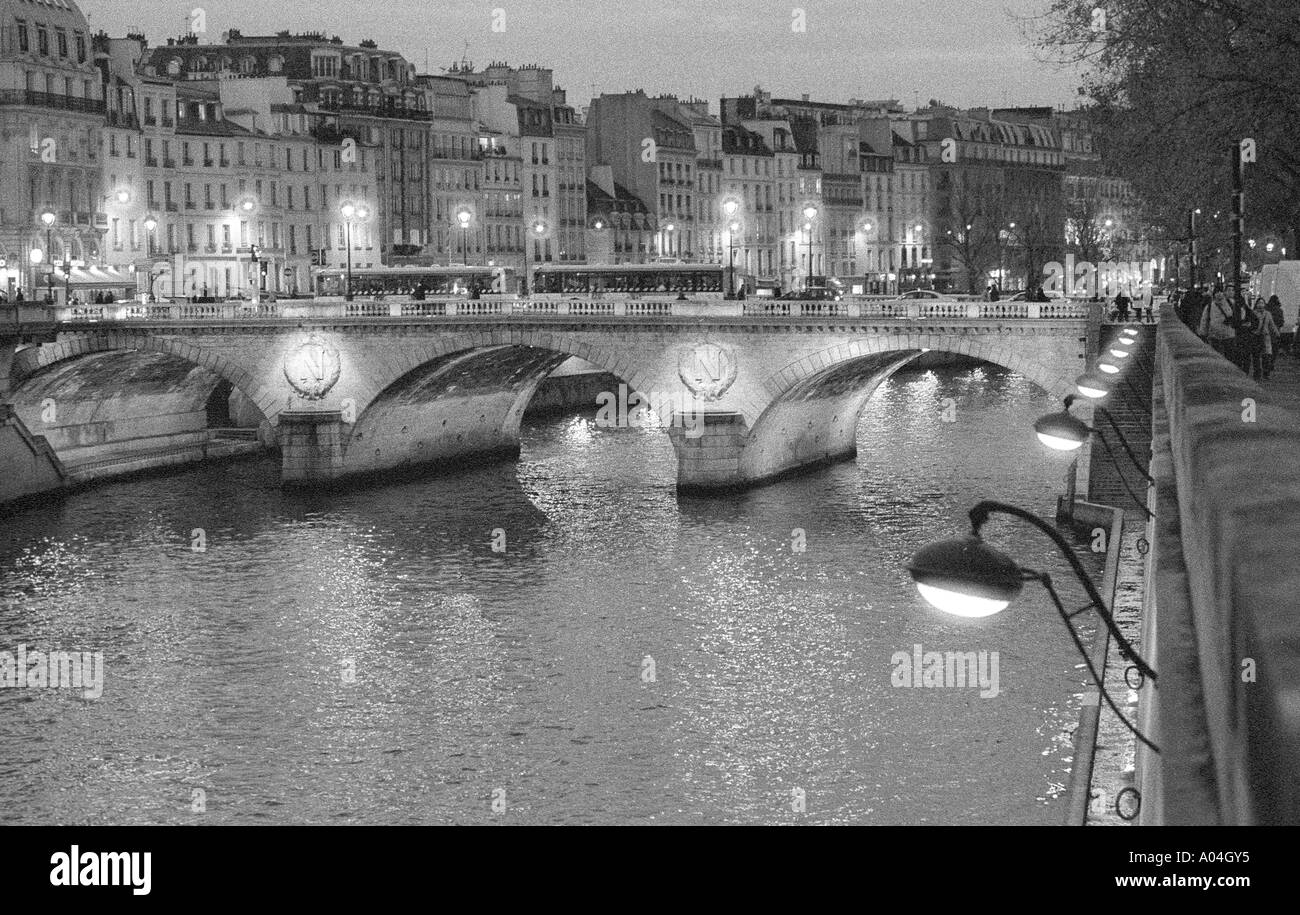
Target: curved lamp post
{"type": "Point", "coordinates": [966, 577]}
{"type": "Point", "coordinates": [1064, 431]}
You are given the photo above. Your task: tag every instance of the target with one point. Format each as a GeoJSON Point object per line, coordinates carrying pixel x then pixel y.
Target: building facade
{"type": "Point", "coordinates": [52, 119]}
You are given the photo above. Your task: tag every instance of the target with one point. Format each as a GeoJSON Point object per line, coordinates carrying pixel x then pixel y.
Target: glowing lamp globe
{"type": "Point", "coordinates": [1091, 386]}
{"type": "Point", "coordinates": [965, 577]}
{"type": "Point", "coordinates": [1119, 353]}
{"type": "Point", "coordinates": [1062, 431]}
{"type": "Point", "coordinates": [1109, 368]}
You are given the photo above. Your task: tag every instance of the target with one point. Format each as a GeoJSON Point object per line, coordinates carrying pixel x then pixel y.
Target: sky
{"type": "Point", "coordinates": [962, 52]}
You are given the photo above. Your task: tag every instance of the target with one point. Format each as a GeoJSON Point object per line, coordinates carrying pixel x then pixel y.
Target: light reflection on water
{"type": "Point", "coordinates": [525, 672]}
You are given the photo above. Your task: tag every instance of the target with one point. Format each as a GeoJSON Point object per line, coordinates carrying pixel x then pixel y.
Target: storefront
{"type": "Point", "coordinates": [88, 284]}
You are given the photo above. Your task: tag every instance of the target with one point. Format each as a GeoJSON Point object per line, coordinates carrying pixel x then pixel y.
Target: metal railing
{"type": "Point", "coordinates": [50, 100]}
{"type": "Point", "coordinates": [506, 306]}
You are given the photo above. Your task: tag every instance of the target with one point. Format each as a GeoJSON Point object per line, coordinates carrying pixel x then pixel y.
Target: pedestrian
{"type": "Point", "coordinates": [995, 294]}
{"type": "Point", "coordinates": [1122, 303]}
{"type": "Point", "coordinates": [1263, 340]}
{"type": "Point", "coordinates": [1217, 326]}
{"type": "Point", "coordinates": [18, 296]}
{"type": "Point", "coordinates": [1285, 338]}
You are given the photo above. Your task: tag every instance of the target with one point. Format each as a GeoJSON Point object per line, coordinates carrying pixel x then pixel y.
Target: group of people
{"type": "Point", "coordinates": [1248, 335]}
{"type": "Point", "coordinates": [99, 297]}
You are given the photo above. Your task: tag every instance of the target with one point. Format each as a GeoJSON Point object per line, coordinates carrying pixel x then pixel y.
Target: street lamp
{"type": "Point", "coordinates": [966, 577]}
{"type": "Point", "coordinates": [539, 229]}
{"type": "Point", "coordinates": [35, 256]}
{"type": "Point", "coordinates": [1065, 432]}
{"type": "Point", "coordinates": [49, 218]}
{"type": "Point", "coordinates": [464, 216]}
{"type": "Point", "coordinates": [732, 228]}
{"type": "Point", "coordinates": [666, 236]}
{"type": "Point", "coordinates": [809, 214]}
{"type": "Point", "coordinates": [730, 207]}
{"type": "Point", "coordinates": [350, 212]}
{"type": "Point", "coordinates": [865, 228]}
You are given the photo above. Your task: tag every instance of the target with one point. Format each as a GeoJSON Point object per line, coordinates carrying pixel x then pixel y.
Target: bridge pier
{"type": "Point", "coordinates": [311, 447]}
{"type": "Point", "coordinates": [709, 452]}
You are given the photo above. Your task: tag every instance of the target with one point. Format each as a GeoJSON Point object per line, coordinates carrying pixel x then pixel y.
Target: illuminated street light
{"type": "Point", "coordinates": [351, 211]}
{"type": "Point", "coordinates": [809, 213]}
{"type": "Point", "coordinates": [464, 216]}
{"type": "Point", "coordinates": [49, 219]}
{"type": "Point", "coordinates": [1092, 386]}
{"type": "Point", "coordinates": [966, 577]}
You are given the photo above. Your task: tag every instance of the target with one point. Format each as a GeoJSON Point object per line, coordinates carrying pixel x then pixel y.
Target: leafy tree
{"type": "Point", "coordinates": [1175, 85]}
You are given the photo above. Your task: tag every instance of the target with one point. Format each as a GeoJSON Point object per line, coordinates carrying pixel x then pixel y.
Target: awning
{"type": "Point", "coordinates": [96, 277]}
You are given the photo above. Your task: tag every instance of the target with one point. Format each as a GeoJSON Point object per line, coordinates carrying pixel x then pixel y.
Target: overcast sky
{"type": "Point", "coordinates": [964, 52]}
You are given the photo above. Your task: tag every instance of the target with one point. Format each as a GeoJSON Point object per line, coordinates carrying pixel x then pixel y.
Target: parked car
{"type": "Point", "coordinates": [1023, 296]}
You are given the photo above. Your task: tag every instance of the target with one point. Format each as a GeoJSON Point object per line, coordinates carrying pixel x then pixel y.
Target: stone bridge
{"type": "Point", "coordinates": [748, 391]}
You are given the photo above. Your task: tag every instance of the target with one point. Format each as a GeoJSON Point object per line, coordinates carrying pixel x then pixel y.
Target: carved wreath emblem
{"type": "Point", "coordinates": [312, 368]}
{"type": "Point", "coordinates": [707, 369]}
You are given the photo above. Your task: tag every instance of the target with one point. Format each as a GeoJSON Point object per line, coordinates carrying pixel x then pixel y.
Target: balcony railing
{"type": "Point", "coordinates": [49, 100]}
{"type": "Point", "coordinates": [378, 111]}
{"type": "Point", "coordinates": [169, 163]}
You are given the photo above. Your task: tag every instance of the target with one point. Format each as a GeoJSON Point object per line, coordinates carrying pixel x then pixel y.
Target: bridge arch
{"type": "Point", "coordinates": [97, 397]}
{"type": "Point", "coordinates": [815, 401]}
{"type": "Point", "coordinates": [462, 397]}
{"type": "Point", "coordinates": [28, 362]}
{"type": "Point", "coordinates": [999, 349]}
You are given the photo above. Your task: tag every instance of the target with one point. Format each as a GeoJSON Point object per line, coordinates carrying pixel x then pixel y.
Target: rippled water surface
{"type": "Point", "coordinates": [631, 657]}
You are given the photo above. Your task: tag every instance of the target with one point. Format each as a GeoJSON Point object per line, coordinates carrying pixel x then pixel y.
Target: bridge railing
{"type": "Point", "coordinates": [911, 309]}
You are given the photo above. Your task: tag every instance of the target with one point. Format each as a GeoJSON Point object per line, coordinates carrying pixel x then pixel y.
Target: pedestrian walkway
{"type": "Point", "coordinates": [1284, 383]}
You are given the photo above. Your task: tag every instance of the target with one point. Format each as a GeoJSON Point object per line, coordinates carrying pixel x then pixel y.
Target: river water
{"type": "Point", "coordinates": [630, 657]}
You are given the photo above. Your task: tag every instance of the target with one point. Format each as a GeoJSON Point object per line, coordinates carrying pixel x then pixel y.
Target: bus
{"type": "Point", "coordinates": [417, 282]}
{"type": "Point", "coordinates": [630, 280]}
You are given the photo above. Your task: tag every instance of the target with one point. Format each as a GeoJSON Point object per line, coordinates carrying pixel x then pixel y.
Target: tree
{"type": "Point", "coordinates": [1176, 84]}
{"type": "Point", "coordinates": [970, 217]}
{"type": "Point", "coordinates": [1085, 223]}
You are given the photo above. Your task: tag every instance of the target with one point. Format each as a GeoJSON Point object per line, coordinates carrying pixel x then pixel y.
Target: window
{"type": "Point", "coordinates": [61, 39]}
{"type": "Point", "coordinates": [81, 49]}
{"type": "Point", "coordinates": [42, 41]}
{"type": "Point", "coordinates": [23, 43]}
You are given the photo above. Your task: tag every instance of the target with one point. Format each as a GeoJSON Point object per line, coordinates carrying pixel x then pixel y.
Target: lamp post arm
{"type": "Point", "coordinates": [1124, 441]}
{"type": "Point", "coordinates": [1046, 581]}
{"type": "Point", "coordinates": [980, 514]}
